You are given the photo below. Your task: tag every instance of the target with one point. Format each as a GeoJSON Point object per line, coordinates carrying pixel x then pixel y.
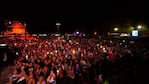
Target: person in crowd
{"type": "Point", "coordinates": [51, 78]}
{"type": "Point", "coordinates": [21, 79]}
{"type": "Point", "coordinates": [13, 79]}
{"type": "Point", "coordinates": [70, 75]}
{"type": "Point", "coordinates": [60, 76]}
{"type": "Point", "coordinates": [78, 75]}
{"type": "Point", "coordinates": [50, 60]}
{"type": "Point", "coordinates": [41, 80]}
{"type": "Point", "coordinates": [31, 78]}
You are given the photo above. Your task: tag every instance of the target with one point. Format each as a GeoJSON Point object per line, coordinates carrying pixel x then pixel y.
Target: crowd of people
{"type": "Point", "coordinates": [76, 60]}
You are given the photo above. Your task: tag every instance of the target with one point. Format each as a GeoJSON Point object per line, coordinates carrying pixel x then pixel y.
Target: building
{"type": "Point", "coordinates": [17, 30]}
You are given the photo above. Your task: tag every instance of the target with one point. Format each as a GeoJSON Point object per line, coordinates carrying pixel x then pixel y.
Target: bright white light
{"type": "Point", "coordinates": [51, 53]}
{"type": "Point", "coordinates": [58, 24]}
{"type": "Point", "coordinates": [104, 48]}
{"type": "Point", "coordinates": [73, 51]}
{"type": "Point", "coordinates": [42, 34]}
{"type": "Point", "coordinates": [26, 56]}
{"type": "Point", "coordinates": [17, 53]}
{"type": "Point", "coordinates": [9, 22]}
{"type": "Point", "coordinates": [47, 53]}
{"type": "Point", "coordinates": [101, 46]}
{"type": "Point", "coordinates": [15, 44]}
{"type": "Point", "coordinates": [77, 32]}
{"type": "Point", "coordinates": [115, 29]}
{"type": "Point", "coordinates": [56, 51]}
{"type": "Point", "coordinates": [125, 34]}
{"type": "Point", "coordinates": [57, 34]}
{"type": "Point", "coordinates": [139, 27]}
{"type": "Point", "coordinates": [3, 44]}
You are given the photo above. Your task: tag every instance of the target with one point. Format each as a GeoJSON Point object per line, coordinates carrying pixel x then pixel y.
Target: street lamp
{"type": "Point", "coordinates": [139, 27]}
{"type": "Point", "coordinates": [25, 31]}
{"type": "Point", "coordinates": [116, 29]}
{"type": "Point", "coordinates": [58, 25]}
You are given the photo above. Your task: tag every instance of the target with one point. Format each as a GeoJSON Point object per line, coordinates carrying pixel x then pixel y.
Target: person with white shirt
{"type": "Point", "coordinates": [21, 79]}
{"type": "Point", "coordinates": [51, 78]}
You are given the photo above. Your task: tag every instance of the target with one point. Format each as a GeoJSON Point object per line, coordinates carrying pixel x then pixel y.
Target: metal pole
{"type": "Point", "coordinates": [58, 25]}
{"type": "Point", "coordinates": [58, 28]}
{"type": "Point", "coordinates": [25, 32]}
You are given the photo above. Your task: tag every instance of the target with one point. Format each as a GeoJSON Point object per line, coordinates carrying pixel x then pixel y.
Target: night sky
{"type": "Point", "coordinates": [83, 16]}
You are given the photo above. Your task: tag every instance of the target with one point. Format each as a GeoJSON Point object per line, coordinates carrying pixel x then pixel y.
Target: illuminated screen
{"type": "Point", "coordinates": [2, 45]}
{"type": "Point", "coordinates": [135, 33]}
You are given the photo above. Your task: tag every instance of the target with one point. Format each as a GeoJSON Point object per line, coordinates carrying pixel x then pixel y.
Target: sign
{"type": "Point", "coordinates": [135, 33]}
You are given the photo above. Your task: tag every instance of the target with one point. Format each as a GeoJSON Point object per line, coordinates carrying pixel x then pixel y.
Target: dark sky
{"type": "Point", "coordinates": [84, 16]}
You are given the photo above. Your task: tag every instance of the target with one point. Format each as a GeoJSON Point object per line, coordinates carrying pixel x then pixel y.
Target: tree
{"type": "Point", "coordinates": [130, 28]}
